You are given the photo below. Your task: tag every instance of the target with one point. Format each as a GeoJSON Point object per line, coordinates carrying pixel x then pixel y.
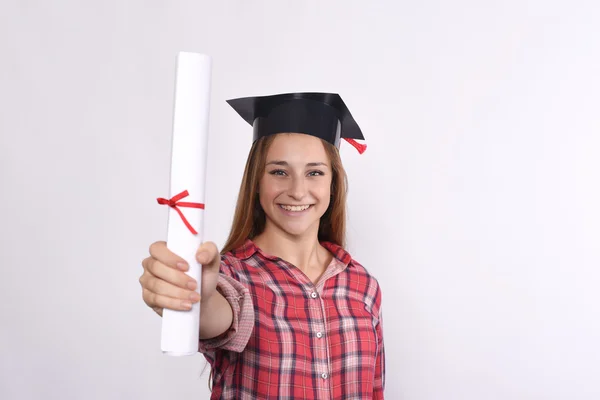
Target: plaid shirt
{"type": "Point", "coordinates": [292, 339]}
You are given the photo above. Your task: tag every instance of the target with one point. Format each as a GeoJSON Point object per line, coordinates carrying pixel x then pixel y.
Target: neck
{"type": "Point", "coordinates": [303, 251]}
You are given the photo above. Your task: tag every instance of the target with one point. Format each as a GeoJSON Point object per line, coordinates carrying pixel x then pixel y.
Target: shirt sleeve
{"type": "Point", "coordinates": [238, 296]}
{"type": "Point", "coordinates": [379, 384]}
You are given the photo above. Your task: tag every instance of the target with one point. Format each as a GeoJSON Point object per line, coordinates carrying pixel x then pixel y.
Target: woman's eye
{"type": "Point", "coordinates": [280, 172]}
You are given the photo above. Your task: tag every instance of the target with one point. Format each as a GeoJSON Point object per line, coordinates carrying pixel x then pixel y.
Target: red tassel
{"type": "Point", "coordinates": [360, 147]}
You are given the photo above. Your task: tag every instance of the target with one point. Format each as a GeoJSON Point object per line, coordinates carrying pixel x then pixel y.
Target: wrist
{"type": "Point", "coordinates": [213, 299]}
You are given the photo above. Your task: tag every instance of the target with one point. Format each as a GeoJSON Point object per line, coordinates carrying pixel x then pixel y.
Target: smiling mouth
{"type": "Point", "coordinates": [295, 208]}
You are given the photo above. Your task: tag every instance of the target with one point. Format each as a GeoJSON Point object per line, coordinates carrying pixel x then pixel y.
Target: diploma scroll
{"type": "Point", "coordinates": [180, 329]}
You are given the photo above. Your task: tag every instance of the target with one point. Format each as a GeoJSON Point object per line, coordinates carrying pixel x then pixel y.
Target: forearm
{"type": "Point", "coordinates": [216, 316]}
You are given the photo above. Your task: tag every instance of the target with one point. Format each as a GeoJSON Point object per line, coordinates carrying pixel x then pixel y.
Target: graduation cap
{"type": "Point", "coordinates": [323, 115]}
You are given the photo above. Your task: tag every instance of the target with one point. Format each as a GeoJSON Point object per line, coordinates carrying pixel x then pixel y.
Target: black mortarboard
{"type": "Point", "coordinates": [323, 115]}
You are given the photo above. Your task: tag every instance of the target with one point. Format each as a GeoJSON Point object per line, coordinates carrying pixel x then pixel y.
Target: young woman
{"type": "Point", "coordinates": [286, 312]}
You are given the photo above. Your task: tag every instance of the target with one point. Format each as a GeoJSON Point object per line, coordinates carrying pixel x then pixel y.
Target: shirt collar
{"type": "Point", "coordinates": [248, 249]}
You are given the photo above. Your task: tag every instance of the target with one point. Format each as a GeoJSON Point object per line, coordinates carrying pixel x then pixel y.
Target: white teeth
{"type": "Point", "coordinates": [294, 208]}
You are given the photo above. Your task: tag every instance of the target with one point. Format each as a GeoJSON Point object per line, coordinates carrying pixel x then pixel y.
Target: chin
{"type": "Point", "coordinates": [295, 230]}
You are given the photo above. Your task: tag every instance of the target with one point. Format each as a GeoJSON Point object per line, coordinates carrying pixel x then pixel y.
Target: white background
{"type": "Point", "coordinates": [476, 205]}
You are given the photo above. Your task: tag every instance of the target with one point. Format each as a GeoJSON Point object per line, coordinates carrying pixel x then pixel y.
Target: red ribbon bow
{"type": "Point", "coordinates": [174, 203]}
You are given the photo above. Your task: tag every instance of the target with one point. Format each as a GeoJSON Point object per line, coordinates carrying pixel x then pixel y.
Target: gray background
{"type": "Point", "coordinates": [476, 204]}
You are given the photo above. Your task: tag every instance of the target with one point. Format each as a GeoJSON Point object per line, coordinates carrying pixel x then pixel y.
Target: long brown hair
{"type": "Point", "coordinates": [249, 218]}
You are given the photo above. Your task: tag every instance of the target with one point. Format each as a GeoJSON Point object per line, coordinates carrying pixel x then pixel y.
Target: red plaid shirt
{"type": "Point", "coordinates": [292, 339]}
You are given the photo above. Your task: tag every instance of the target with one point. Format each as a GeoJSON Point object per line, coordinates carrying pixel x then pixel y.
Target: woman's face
{"type": "Point", "coordinates": [295, 189]}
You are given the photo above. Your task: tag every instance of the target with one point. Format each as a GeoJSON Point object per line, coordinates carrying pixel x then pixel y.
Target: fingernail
{"type": "Point", "coordinates": [182, 266]}
{"type": "Point", "coordinates": [201, 256]}
{"type": "Point", "coordinates": [191, 285]}
{"type": "Point", "coordinates": [194, 297]}
{"type": "Point", "coordinates": [187, 305]}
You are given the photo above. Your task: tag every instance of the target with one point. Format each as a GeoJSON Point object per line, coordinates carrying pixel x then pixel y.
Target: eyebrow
{"type": "Point", "coordinates": [285, 163]}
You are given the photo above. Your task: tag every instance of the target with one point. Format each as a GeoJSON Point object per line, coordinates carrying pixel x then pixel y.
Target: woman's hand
{"type": "Point", "coordinates": [165, 283]}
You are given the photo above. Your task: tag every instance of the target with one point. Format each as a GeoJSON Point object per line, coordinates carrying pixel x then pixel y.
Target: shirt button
{"type": "Point", "coordinates": [324, 375]}
{"type": "Point", "coordinates": [319, 335]}
{"type": "Point", "coordinates": [313, 295]}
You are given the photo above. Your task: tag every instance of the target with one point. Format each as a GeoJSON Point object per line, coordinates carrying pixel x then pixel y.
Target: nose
{"type": "Point", "coordinates": [297, 190]}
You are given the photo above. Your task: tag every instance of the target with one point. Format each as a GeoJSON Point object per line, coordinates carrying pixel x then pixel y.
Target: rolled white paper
{"type": "Point", "coordinates": [180, 329]}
